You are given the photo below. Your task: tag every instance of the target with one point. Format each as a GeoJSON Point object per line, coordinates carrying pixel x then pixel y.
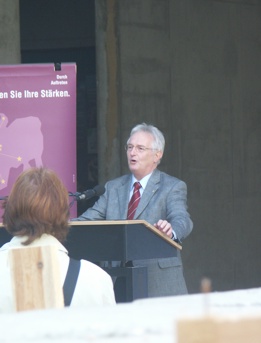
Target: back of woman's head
{"type": "Point", "coordinates": [38, 203]}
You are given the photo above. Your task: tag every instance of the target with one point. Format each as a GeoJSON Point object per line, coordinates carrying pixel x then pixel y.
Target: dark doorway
{"type": "Point", "coordinates": [64, 31]}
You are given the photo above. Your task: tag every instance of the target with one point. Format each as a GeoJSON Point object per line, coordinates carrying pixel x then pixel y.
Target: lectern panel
{"type": "Point", "coordinates": [119, 242]}
{"type": "Point", "coordinates": [96, 243]}
{"type": "Point", "coordinates": [4, 236]}
{"type": "Point", "coordinates": [145, 244]}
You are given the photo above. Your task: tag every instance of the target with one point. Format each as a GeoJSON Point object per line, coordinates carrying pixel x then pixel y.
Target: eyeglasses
{"type": "Point", "coordinates": [139, 148]}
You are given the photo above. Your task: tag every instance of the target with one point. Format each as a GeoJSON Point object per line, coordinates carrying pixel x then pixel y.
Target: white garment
{"type": "Point", "coordinates": [94, 286]}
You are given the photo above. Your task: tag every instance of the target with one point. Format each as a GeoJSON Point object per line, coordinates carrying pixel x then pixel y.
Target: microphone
{"type": "Point", "coordinates": [90, 193]}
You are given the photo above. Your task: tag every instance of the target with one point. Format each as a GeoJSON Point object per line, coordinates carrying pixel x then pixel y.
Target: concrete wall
{"type": "Point", "coordinates": [193, 69]}
{"type": "Point", "coordinates": [9, 32]}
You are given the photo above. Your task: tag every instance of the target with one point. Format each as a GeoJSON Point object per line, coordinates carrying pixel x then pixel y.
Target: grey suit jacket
{"type": "Point", "coordinates": [165, 197]}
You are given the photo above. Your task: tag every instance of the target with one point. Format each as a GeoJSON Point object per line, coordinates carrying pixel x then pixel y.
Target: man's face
{"type": "Point", "coordinates": [142, 162]}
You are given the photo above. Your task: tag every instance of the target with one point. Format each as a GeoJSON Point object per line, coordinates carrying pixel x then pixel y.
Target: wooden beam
{"type": "Point", "coordinates": [36, 278]}
{"type": "Point", "coordinates": [219, 330]}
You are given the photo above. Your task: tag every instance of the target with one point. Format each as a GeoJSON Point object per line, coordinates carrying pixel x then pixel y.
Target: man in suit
{"type": "Point", "coordinates": [162, 203]}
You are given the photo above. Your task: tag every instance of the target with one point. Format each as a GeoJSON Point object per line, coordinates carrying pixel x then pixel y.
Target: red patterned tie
{"type": "Point", "coordinates": [134, 201]}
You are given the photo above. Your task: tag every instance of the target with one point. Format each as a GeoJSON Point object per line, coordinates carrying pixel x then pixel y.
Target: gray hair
{"type": "Point", "coordinates": [159, 140]}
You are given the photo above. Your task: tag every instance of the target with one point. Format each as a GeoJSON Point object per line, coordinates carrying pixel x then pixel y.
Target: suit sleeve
{"type": "Point", "coordinates": [98, 211]}
{"type": "Point", "coordinates": [177, 213]}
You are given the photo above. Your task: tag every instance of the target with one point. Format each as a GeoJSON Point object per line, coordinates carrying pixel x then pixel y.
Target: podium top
{"type": "Point", "coordinates": [123, 222]}
{"type": "Point", "coordinates": [126, 222]}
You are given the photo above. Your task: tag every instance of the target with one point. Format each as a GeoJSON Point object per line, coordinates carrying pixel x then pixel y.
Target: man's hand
{"type": "Point", "coordinates": [164, 227]}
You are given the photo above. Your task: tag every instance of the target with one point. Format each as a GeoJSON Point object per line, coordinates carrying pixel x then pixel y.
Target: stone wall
{"type": "Point", "coordinates": [9, 32]}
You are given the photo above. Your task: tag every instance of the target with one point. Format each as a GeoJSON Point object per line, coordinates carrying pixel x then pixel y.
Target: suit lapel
{"type": "Point", "coordinates": [123, 196]}
{"type": "Point", "coordinates": [151, 188]}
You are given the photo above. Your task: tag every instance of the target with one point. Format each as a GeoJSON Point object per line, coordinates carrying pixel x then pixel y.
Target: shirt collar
{"type": "Point", "coordinates": [143, 181]}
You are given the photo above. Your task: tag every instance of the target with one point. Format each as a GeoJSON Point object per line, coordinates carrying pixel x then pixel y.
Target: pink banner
{"type": "Point", "coordinates": [38, 122]}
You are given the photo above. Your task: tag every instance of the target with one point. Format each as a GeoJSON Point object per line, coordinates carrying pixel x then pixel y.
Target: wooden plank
{"type": "Point", "coordinates": [219, 330]}
{"type": "Point", "coordinates": [35, 275]}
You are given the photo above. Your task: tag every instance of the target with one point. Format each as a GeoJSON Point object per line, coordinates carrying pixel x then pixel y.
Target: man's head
{"type": "Point", "coordinates": [145, 148]}
{"type": "Point", "coordinates": [38, 203]}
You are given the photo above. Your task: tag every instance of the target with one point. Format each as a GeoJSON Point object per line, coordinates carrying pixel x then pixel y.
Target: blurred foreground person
{"type": "Point", "coordinates": [36, 213]}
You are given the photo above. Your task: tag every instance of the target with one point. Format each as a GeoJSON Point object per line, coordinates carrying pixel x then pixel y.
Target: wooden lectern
{"type": "Point", "coordinates": [122, 241]}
